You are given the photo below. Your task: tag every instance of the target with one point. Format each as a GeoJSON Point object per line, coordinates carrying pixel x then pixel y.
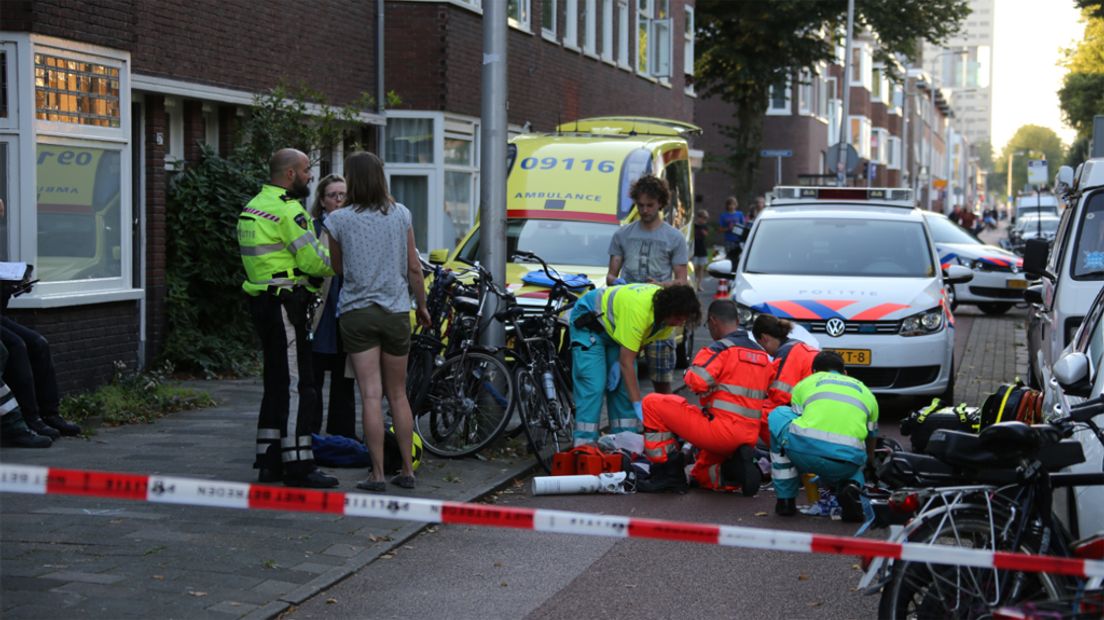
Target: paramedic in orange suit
{"type": "Point", "coordinates": [731, 378]}
{"type": "Point", "coordinates": [793, 361]}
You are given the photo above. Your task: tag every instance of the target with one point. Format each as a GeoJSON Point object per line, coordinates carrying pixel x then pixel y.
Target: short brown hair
{"type": "Point", "coordinates": [652, 186]}
{"type": "Point", "coordinates": [772, 326]}
{"type": "Point", "coordinates": [366, 184]}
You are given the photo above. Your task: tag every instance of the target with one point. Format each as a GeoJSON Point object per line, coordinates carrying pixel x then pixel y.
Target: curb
{"type": "Point", "coordinates": [330, 578]}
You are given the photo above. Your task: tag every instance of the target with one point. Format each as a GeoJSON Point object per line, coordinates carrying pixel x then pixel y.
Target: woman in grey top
{"type": "Point", "coordinates": [372, 246]}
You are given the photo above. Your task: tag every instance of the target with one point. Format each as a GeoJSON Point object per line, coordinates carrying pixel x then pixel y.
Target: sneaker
{"type": "Point", "coordinates": [785, 507]}
{"type": "Point", "coordinates": [65, 427]}
{"type": "Point", "coordinates": [24, 438]}
{"type": "Point", "coordinates": [316, 479]}
{"type": "Point", "coordinates": [41, 428]}
{"type": "Point", "coordinates": [850, 500]}
{"type": "Point", "coordinates": [374, 486]}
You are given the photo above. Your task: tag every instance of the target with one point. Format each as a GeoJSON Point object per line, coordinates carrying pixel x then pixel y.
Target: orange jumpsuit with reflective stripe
{"type": "Point", "coordinates": [792, 363]}
{"type": "Point", "coordinates": [730, 377]}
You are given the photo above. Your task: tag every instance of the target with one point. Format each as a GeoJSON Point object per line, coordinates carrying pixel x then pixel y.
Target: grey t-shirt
{"type": "Point", "coordinates": [374, 257]}
{"type": "Point", "coordinates": [648, 254]}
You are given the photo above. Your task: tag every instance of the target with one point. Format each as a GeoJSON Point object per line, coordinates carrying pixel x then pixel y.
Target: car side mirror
{"type": "Point", "coordinates": [1035, 257]}
{"type": "Point", "coordinates": [957, 274]}
{"type": "Point", "coordinates": [438, 256]}
{"type": "Point", "coordinates": [1034, 294]}
{"type": "Point", "coordinates": [1072, 373]}
{"type": "Point", "coordinates": [1063, 180]}
{"type": "Point", "coordinates": [721, 269]}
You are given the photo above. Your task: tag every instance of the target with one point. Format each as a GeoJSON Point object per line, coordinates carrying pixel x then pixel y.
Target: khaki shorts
{"type": "Point", "coordinates": [368, 328]}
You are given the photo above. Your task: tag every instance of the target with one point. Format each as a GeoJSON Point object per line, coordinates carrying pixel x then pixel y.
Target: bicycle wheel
{"type": "Point", "coordinates": [919, 590]}
{"type": "Point", "coordinates": [548, 423]}
{"type": "Point", "coordinates": [469, 401]}
{"type": "Point", "coordinates": [419, 369]}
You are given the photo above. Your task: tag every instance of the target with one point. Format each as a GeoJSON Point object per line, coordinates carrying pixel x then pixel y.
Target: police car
{"type": "Point", "coordinates": [857, 268]}
{"type": "Point", "coordinates": [998, 281]}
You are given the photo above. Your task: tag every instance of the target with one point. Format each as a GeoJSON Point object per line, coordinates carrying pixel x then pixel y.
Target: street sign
{"type": "Point", "coordinates": [1037, 171]}
{"type": "Point", "coordinates": [831, 157]}
{"type": "Point", "coordinates": [776, 153]}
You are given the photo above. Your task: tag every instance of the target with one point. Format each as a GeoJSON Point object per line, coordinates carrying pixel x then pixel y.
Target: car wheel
{"type": "Point", "coordinates": [947, 396]}
{"type": "Point", "coordinates": [994, 308]}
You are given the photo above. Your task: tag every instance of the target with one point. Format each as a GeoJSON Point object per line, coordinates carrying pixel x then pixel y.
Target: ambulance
{"type": "Point", "coordinates": [568, 192]}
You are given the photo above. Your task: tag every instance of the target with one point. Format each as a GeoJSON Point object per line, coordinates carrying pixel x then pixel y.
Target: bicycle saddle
{"type": "Point", "coordinates": [513, 311]}
{"type": "Point", "coordinates": [468, 305]}
{"type": "Point", "coordinates": [1011, 437]}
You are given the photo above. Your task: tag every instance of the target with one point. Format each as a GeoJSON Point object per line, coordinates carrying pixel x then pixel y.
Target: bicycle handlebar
{"type": "Point", "coordinates": [1083, 412]}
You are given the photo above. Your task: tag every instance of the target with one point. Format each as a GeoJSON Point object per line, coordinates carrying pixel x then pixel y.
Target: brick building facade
{"type": "Point", "coordinates": [132, 88]}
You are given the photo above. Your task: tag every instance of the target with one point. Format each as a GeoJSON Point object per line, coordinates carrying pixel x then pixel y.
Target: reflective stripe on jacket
{"type": "Point", "coordinates": [834, 408]}
{"type": "Point", "coordinates": [279, 249]}
{"type": "Point", "coordinates": [628, 315]}
{"type": "Point", "coordinates": [732, 376]}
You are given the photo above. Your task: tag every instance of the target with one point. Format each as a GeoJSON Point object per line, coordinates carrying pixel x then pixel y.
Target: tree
{"type": "Point", "coordinates": [745, 47]}
{"type": "Point", "coordinates": [1082, 94]}
{"type": "Point", "coordinates": [1032, 142]}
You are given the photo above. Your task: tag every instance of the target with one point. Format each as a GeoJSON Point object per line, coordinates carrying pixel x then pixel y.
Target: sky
{"type": "Point", "coordinates": [1028, 37]}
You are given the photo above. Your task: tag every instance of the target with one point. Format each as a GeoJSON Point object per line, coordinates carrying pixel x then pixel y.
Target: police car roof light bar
{"type": "Point", "coordinates": [895, 197]}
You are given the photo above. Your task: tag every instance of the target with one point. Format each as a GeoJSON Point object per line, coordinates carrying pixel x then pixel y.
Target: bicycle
{"type": "Point", "coordinates": [1005, 478]}
{"type": "Point", "coordinates": [469, 396]}
{"type": "Point", "coordinates": [541, 378]}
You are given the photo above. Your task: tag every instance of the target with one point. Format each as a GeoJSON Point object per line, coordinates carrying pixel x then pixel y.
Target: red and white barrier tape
{"type": "Point", "coordinates": [193, 492]}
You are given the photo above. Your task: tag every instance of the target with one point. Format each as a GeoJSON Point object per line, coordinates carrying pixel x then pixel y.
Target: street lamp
{"type": "Point", "coordinates": [1008, 193]}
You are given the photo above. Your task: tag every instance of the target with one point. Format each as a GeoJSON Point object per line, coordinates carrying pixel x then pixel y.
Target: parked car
{"type": "Point", "coordinates": [1071, 271]}
{"type": "Point", "coordinates": [1032, 226]}
{"type": "Point", "coordinates": [1079, 375]}
{"type": "Point", "coordinates": [1035, 202]}
{"type": "Point", "coordinates": [998, 282]}
{"type": "Point", "coordinates": [857, 268]}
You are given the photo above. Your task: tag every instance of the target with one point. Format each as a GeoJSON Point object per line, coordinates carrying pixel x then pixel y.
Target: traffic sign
{"type": "Point", "coordinates": [776, 153]}
{"type": "Point", "coordinates": [831, 158]}
{"type": "Point", "coordinates": [1037, 171]}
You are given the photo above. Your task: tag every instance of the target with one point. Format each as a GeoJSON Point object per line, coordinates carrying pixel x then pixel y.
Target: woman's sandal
{"type": "Point", "coordinates": [375, 486]}
{"type": "Point", "coordinates": [406, 482]}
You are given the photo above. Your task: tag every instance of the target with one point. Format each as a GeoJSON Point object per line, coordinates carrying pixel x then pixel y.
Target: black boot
{"type": "Point", "coordinates": [742, 470]}
{"type": "Point", "coordinates": [65, 427]}
{"type": "Point", "coordinates": [40, 427]}
{"type": "Point", "coordinates": [315, 479]}
{"type": "Point", "coordinates": [665, 477]}
{"type": "Point", "coordinates": [785, 507]}
{"type": "Point", "coordinates": [14, 433]}
{"type": "Point", "coordinates": [850, 501]}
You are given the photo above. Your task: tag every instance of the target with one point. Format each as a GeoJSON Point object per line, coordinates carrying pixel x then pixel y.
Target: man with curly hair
{"type": "Point", "coordinates": [650, 250]}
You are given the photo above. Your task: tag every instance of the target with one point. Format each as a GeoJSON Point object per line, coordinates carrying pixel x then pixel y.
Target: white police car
{"type": "Point", "coordinates": [858, 268]}
{"type": "Point", "coordinates": [998, 281]}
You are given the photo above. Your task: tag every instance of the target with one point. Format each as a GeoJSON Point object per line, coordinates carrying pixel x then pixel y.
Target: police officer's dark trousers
{"type": "Point", "coordinates": [284, 425]}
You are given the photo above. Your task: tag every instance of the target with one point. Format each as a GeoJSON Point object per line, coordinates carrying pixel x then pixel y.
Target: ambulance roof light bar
{"type": "Point", "coordinates": [884, 196]}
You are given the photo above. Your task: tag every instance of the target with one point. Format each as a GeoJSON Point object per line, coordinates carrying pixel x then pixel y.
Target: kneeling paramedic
{"type": "Point", "coordinates": [608, 328]}
{"type": "Point", "coordinates": [731, 378]}
{"type": "Point", "coordinates": [827, 430]}
{"type": "Point", "coordinates": [281, 256]}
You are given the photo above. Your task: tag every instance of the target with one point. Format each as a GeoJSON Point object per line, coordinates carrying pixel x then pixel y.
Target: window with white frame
{"type": "Point", "coordinates": [822, 95]}
{"type": "Point", "coordinates": [653, 38]}
{"type": "Point", "coordinates": [894, 153]}
{"type": "Point", "coordinates": [860, 135]}
{"type": "Point", "coordinates": [862, 73]}
{"type": "Point", "coordinates": [779, 102]}
{"type": "Point", "coordinates": [806, 94]}
{"type": "Point", "coordinates": [211, 126]}
{"type": "Point", "coordinates": [517, 13]}
{"type": "Point", "coordinates": [174, 134]}
{"type": "Point", "coordinates": [548, 19]}
{"type": "Point", "coordinates": [688, 48]}
{"type": "Point", "coordinates": [876, 84]}
{"type": "Point", "coordinates": [607, 30]}
{"type": "Point", "coordinates": [461, 192]}
{"type": "Point", "coordinates": [409, 141]}
{"type": "Point", "coordinates": [588, 17]}
{"type": "Point", "coordinates": [78, 235]}
{"type": "Point", "coordinates": [623, 34]}
{"type": "Point", "coordinates": [571, 24]}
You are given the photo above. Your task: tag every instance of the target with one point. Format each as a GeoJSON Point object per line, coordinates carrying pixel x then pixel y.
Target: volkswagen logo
{"type": "Point", "coordinates": [834, 327]}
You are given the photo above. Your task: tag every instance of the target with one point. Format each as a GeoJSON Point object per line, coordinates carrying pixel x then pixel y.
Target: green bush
{"type": "Point", "coordinates": [133, 398]}
{"type": "Point", "coordinates": [209, 329]}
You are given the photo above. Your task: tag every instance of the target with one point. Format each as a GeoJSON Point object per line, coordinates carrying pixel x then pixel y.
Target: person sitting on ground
{"type": "Point", "coordinates": [828, 430]}
{"type": "Point", "coordinates": [13, 430]}
{"type": "Point", "coordinates": [730, 377]}
{"type": "Point", "coordinates": [792, 361]}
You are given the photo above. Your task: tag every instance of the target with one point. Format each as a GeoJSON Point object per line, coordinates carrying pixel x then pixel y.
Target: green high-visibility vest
{"type": "Point", "coordinates": [837, 405]}
{"type": "Point", "coordinates": [279, 249]}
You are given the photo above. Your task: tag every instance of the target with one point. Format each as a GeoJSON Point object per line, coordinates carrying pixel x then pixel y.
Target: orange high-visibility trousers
{"type": "Point", "coordinates": [667, 415]}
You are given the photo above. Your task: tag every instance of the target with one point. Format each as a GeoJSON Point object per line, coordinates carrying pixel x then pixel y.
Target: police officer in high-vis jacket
{"type": "Point", "coordinates": [284, 263]}
{"type": "Point", "coordinates": [828, 430]}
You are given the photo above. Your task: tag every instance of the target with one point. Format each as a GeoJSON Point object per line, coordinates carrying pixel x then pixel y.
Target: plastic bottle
{"type": "Point", "coordinates": [549, 386]}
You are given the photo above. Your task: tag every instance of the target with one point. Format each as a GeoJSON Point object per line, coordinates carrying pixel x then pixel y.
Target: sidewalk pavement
{"type": "Point", "coordinates": [87, 557]}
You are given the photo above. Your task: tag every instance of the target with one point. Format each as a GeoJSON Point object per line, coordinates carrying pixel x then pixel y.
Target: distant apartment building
{"type": "Point", "coordinates": [963, 68]}
{"type": "Point", "coordinates": [102, 100]}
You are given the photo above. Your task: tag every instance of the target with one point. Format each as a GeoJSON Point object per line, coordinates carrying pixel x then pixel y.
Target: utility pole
{"type": "Point", "coordinates": [845, 123]}
{"type": "Point", "coordinates": [492, 160]}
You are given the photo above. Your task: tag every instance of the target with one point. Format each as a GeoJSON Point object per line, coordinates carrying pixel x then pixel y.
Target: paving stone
{"type": "Point", "coordinates": [68, 576]}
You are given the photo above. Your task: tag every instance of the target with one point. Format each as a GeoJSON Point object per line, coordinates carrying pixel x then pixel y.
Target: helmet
{"type": "Point", "coordinates": [392, 458]}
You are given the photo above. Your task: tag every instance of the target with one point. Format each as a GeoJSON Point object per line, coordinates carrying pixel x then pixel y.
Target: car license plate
{"type": "Point", "coordinates": [854, 357]}
{"type": "Point", "coordinates": [1016, 283]}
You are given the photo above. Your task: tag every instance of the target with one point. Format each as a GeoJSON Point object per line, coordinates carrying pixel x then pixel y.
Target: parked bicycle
{"type": "Point", "coordinates": [990, 491]}
{"type": "Point", "coordinates": [468, 398]}
{"type": "Point", "coordinates": [542, 379]}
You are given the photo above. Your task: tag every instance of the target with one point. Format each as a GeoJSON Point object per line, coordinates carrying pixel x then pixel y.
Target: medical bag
{"type": "Point", "coordinates": [920, 424]}
{"type": "Point", "coordinates": [587, 460]}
